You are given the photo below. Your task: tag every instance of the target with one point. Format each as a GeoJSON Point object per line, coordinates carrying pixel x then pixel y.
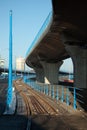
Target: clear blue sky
{"type": "Point", "coordinates": [28, 17]}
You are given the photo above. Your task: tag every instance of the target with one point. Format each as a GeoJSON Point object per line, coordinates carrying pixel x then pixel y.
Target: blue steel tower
{"type": "Point", "coordinates": [9, 91]}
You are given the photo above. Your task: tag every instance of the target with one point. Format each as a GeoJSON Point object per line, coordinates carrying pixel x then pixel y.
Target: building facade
{"type": "Point", "coordinates": [2, 63]}
{"type": "Point", "coordinates": [20, 64]}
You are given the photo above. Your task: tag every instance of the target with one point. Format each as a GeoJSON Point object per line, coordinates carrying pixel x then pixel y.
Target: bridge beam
{"type": "Point", "coordinates": [79, 57]}
{"type": "Point", "coordinates": [51, 72]}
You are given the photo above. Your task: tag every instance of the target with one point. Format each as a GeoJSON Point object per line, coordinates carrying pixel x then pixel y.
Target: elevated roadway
{"type": "Point", "coordinates": [68, 18]}
{"type": "Point", "coordinates": [65, 36]}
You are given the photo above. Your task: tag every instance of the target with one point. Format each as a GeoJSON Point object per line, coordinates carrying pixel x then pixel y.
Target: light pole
{"type": "Point", "coordinates": [9, 91]}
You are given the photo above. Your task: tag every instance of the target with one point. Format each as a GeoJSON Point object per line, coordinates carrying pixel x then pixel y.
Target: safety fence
{"type": "Point", "coordinates": [69, 95]}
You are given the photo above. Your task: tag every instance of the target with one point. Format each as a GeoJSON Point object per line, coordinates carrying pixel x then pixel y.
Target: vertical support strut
{"type": "Point", "coordinates": [62, 97]}
{"type": "Point", "coordinates": [67, 96]}
{"type": "Point", "coordinates": [57, 93]}
{"type": "Point", "coordinates": [9, 91]}
{"type": "Point", "coordinates": [74, 102]}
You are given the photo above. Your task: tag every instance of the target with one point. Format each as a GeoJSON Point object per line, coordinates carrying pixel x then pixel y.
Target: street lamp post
{"type": "Point", "coordinates": [9, 91]}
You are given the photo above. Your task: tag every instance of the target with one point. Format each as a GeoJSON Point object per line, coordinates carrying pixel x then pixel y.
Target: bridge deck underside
{"type": "Point", "coordinates": [69, 19]}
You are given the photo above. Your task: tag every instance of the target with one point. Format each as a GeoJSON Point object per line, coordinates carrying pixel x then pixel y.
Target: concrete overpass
{"type": "Point", "coordinates": [65, 36]}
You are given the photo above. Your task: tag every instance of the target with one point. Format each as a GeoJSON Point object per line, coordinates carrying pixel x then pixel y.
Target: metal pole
{"type": "Point", "coordinates": [9, 91]}
{"type": "Point", "coordinates": [74, 102]}
{"type": "Point", "coordinates": [67, 96]}
{"type": "Point", "coordinates": [53, 92]}
{"type": "Point", "coordinates": [62, 98]}
{"type": "Point", "coordinates": [57, 94]}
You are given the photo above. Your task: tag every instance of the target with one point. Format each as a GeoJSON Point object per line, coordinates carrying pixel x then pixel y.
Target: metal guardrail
{"type": "Point", "coordinates": [69, 95]}
{"type": "Point", "coordinates": [40, 33]}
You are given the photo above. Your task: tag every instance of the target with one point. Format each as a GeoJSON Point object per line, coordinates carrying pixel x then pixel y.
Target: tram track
{"type": "Point", "coordinates": [48, 108]}
{"type": "Point", "coordinates": [35, 102]}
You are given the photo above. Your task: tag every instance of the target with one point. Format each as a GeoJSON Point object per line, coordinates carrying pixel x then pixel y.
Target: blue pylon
{"type": "Point", "coordinates": [9, 90]}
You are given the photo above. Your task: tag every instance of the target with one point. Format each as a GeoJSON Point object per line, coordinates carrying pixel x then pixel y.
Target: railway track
{"type": "Point", "coordinates": [44, 103]}
{"type": "Point", "coordinates": [35, 102]}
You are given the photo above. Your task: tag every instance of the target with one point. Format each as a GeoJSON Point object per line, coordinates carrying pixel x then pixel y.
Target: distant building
{"type": "Point", "coordinates": [20, 64]}
{"type": "Point", "coordinates": [2, 63]}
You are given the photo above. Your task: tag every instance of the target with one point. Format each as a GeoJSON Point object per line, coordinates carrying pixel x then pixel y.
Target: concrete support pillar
{"type": "Point", "coordinates": [79, 57]}
{"type": "Point", "coordinates": [39, 74]}
{"type": "Point", "coordinates": [51, 72]}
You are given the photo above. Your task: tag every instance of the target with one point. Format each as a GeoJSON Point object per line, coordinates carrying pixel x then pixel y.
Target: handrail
{"type": "Point", "coordinates": [40, 33]}
{"type": "Point", "coordinates": [63, 93]}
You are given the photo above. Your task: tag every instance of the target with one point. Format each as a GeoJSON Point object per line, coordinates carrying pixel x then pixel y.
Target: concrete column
{"type": "Point", "coordinates": [51, 72]}
{"type": "Point", "coordinates": [39, 74]}
{"type": "Point", "coordinates": [79, 57]}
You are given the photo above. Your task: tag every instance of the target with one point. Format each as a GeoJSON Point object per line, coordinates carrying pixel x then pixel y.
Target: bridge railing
{"type": "Point", "coordinates": [69, 95]}
{"type": "Point", "coordinates": [40, 33]}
